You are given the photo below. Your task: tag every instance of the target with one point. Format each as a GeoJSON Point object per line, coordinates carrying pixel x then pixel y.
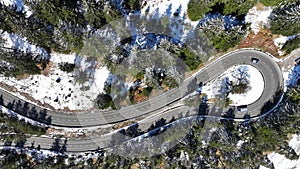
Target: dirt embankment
{"type": "Point", "coordinates": [262, 40]}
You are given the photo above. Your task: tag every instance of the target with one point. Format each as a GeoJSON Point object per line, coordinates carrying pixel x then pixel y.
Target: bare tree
{"type": "Point", "coordinates": [241, 75]}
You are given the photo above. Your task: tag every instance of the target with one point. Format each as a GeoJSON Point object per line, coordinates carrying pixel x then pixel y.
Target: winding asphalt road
{"type": "Point", "coordinates": [269, 69]}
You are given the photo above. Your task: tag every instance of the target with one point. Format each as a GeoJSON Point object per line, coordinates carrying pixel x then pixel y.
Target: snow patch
{"type": "Point", "coordinates": [36, 154]}
{"type": "Point", "coordinates": [14, 41]}
{"type": "Point", "coordinates": [295, 143]}
{"type": "Point", "coordinates": [176, 13]}
{"type": "Point", "coordinates": [65, 90]}
{"type": "Point", "coordinates": [281, 162]}
{"type": "Point", "coordinates": [27, 11]}
{"type": "Point", "coordinates": [240, 143]}
{"type": "Point", "coordinates": [280, 41]}
{"type": "Point", "coordinates": [20, 117]}
{"type": "Point", "coordinates": [165, 7]}
{"type": "Point", "coordinates": [208, 90]}
{"type": "Point", "coordinates": [65, 58]}
{"type": "Point", "coordinates": [256, 83]}
{"type": "Point", "coordinates": [19, 4]}
{"type": "Point", "coordinates": [258, 18]}
{"type": "Point", "coordinates": [292, 76]}
{"type": "Point", "coordinates": [256, 86]}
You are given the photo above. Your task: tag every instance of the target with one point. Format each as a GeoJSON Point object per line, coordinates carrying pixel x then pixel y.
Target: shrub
{"type": "Point", "coordinates": [104, 101]}
{"type": "Point", "coordinates": [291, 45]}
{"type": "Point", "coordinates": [271, 2]}
{"type": "Point", "coordinates": [132, 4]}
{"type": "Point", "coordinates": [189, 58]}
{"type": "Point", "coordinates": [67, 67]}
{"type": "Point", "coordinates": [294, 95]}
{"type": "Point", "coordinates": [147, 91]}
{"type": "Point", "coordinates": [140, 75]}
{"type": "Point", "coordinates": [197, 9]}
{"type": "Point", "coordinates": [170, 82]}
{"type": "Point", "coordinates": [240, 88]}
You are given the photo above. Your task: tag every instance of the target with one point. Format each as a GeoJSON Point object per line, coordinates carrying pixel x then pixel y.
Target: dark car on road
{"type": "Point", "coordinates": [255, 60]}
{"type": "Point", "coordinates": [242, 108]}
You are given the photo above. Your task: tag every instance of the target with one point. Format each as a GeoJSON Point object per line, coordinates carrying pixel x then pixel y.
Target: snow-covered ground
{"type": "Point", "coordinates": [176, 13]}
{"type": "Point", "coordinates": [281, 162]}
{"type": "Point", "coordinates": [17, 42]}
{"type": "Point", "coordinates": [58, 88]}
{"type": "Point", "coordinates": [258, 17]}
{"type": "Point", "coordinates": [20, 117]}
{"type": "Point", "coordinates": [256, 86]}
{"type": "Point", "coordinates": [19, 4]}
{"type": "Point", "coordinates": [36, 154]}
{"type": "Point", "coordinates": [62, 90]}
{"type": "Point", "coordinates": [280, 41]}
{"type": "Point", "coordinates": [165, 7]}
{"type": "Point", "coordinates": [47, 88]}
{"type": "Point", "coordinates": [291, 76]}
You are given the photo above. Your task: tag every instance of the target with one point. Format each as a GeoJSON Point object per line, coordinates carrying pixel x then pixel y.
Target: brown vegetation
{"type": "Point", "coordinates": [262, 40]}
{"type": "Point", "coordinates": [123, 124]}
{"type": "Point", "coordinates": [46, 71]}
{"type": "Point", "coordinates": [138, 95]}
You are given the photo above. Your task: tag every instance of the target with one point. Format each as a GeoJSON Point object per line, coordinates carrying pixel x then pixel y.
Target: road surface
{"type": "Point", "coordinates": [269, 69]}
